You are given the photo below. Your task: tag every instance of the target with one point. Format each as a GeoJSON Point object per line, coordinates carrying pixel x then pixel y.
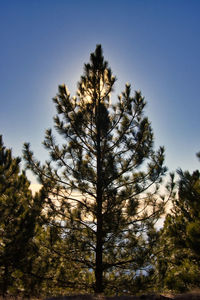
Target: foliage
{"type": "Point", "coordinates": [101, 182]}
{"type": "Point", "coordinates": [19, 214]}
{"type": "Point", "coordinates": [178, 263]}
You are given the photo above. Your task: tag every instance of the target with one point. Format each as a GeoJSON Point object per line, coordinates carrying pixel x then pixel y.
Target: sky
{"type": "Point", "coordinates": [152, 44]}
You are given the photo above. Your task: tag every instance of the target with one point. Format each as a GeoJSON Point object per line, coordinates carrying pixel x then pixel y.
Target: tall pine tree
{"type": "Point", "coordinates": [102, 180]}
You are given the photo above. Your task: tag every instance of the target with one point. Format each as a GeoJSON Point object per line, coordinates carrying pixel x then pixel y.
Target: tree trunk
{"type": "Point", "coordinates": [99, 240]}
{"type": "Point", "coordinates": [99, 269]}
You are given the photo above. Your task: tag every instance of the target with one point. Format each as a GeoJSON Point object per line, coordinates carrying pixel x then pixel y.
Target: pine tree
{"type": "Point", "coordinates": [19, 213]}
{"type": "Point", "coordinates": [53, 274]}
{"type": "Point", "coordinates": [102, 181]}
{"type": "Point", "coordinates": [179, 262]}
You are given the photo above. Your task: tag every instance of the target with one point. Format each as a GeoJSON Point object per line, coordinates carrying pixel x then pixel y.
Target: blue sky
{"type": "Point", "coordinates": [154, 45]}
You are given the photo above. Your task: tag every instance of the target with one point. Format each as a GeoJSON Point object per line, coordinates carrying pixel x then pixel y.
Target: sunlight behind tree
{"type": "Point", "coordinates": [108, 157]}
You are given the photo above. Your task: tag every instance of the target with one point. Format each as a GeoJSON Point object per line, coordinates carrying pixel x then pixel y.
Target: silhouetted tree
{"type": "Point", "coordinates": [102, 180]}
{"type": "Point", "coordinates": [19, 213]}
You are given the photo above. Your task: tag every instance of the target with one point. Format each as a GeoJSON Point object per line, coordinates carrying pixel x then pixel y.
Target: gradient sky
{"type": "Point", "coordinates": [154, 45]}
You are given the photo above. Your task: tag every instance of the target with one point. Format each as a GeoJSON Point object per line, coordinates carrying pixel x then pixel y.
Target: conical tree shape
{"type": "Point", "coordinates": [97, 181]}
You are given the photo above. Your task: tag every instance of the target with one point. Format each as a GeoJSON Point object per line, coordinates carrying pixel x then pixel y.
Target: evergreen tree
{"type": "Point", "coordinates": [53, 274]}
{"type": "Point", "coordinates": [178, 264]}
{"type": "Point", "coordinates": [102, 181]}
{"type": "Point", "coordinates": [19, 213]}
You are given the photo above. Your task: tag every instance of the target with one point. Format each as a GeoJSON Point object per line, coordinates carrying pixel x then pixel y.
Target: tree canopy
{"type": "Point", "coordinates": [19, 216]}
{"type": "Point", "coordinates": [179, 260]}
{"type": "Point", "coordinates": [102, 181]}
